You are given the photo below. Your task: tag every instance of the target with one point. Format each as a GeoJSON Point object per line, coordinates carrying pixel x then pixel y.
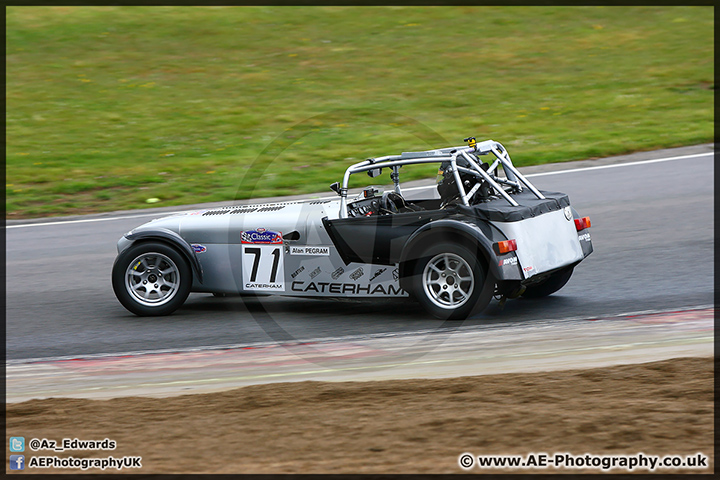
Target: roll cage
{"type": "Point", "coordinates": [512, 182]}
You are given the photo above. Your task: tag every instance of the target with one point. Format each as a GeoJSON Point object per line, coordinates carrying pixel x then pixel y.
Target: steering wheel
{"type": "Point", "coordinates": [392, 202]}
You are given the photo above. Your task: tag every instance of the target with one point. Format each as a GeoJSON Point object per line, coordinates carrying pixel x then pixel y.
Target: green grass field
{"type": "Point", "coordinates": [110, 106]}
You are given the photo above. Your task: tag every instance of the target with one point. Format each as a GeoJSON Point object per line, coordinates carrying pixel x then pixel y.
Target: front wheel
{"type": "Point", "coordinates": [151, 279]}
{"type": "Point", "coordinates": [450, 282]}
{"type": "Point", "coordinates": [547, 287]}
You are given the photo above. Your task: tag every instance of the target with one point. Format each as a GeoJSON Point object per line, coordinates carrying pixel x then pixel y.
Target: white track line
{"type": "Point", "coordinates": [559, 172]}
{"type": "Point", "coordinates": [88, 220]}
{"type": "Point", "coordinates": [615, 165]}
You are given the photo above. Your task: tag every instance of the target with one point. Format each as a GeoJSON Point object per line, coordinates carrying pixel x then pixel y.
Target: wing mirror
{"type": "Point", "coordinates": [375, 172]}
{"type": "Point", "coordinates": [335, 187]}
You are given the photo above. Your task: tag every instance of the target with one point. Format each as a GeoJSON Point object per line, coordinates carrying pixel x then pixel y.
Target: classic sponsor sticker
{"type": "Point", "coordinates": [261, 236]}
{"type": "Point", "coordinates": [310, 250]}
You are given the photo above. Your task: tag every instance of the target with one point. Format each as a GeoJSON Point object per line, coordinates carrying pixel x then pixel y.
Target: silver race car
{"type": "Point", "coordinates": [483, 230]}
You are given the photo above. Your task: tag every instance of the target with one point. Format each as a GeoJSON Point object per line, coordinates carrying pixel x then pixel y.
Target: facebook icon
{"type": "Point", "coordinates": [17, 462]}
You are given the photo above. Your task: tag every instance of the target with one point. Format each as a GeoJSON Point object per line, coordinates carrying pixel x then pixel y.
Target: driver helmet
{"type": "Point", "coordinates": [447, 186]}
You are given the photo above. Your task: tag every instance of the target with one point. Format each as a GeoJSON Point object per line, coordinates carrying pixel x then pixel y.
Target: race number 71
{"type": "Point", "coordinates": [262, 268]}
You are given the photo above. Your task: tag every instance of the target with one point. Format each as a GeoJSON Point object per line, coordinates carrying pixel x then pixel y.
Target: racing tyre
{"type": "Point", "coordinates": [151, 279]}
{"type": "Point", "coordinates": [450, 282]}
{"type": "Point", "coordinates": [553, 283]}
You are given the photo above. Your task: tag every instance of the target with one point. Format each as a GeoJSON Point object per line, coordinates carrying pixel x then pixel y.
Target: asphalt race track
{"type": "Point", "coordinates": [652, 231]}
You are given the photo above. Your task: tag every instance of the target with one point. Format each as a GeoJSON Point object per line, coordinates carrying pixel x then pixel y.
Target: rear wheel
{"type": "Point", "coordinates": [450, 282]}
{"type": "Point", "coordinates": [151, 279]}
{"type": "Point", "coordinates": [547, 287]}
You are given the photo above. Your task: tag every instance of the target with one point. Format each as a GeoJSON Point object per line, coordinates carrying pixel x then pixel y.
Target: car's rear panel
{"type": "Point", "coordinates": [545, 242]}
{"type": "Point", "coordinates": [543, 228]}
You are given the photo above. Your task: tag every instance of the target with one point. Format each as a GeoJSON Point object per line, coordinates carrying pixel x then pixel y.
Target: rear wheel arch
{"type": "Point", "coordinates": [418, 243]}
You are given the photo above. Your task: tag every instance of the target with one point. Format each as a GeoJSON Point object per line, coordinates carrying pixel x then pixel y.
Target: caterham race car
{"type": "Point", "coordinates": [482, 230]}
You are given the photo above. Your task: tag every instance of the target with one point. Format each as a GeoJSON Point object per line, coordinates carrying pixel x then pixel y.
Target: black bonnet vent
{"type": "Point", "coordinates": [231, 211]}
{"type": "Point", "coordinates": [239, 210]}
{"type": "Point", "coordinates": [215, 212]}
{"type": "Point", "coordinates": [243, 210]}
{"type": "Point", "coordinates": [271, 209]}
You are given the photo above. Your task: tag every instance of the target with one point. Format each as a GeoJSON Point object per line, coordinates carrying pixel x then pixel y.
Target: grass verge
{"type": "Point", "coordinates": [110, 106]}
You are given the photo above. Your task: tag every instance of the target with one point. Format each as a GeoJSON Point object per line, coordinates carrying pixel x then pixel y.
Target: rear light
{"type": "Point", "coordinates": [582, 223]}
{"type": "Point", "coordinates": [505, 246]}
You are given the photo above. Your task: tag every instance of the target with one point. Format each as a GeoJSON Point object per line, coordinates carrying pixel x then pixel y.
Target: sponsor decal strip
{"type": "Point", "coordinates": [347, 288]}
{"type": "Point", "coordinates": [508, 261]}
{"type": "Point", "coordinates": [297, 272]}
{"type": "Point", "coordinates": [309, 250]}
{"type": "Point", "coordinates": [315, 272]}
{"type": "Point", "coordinates": [357, 273]}
{"type": "Point", "coordinates": [377, 274]}
{"type": "Point", "coordinates": [336, 274]}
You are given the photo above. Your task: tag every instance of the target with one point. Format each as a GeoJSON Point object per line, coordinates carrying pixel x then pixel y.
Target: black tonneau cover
{"type": "Point", "coordinates": [499, 210]}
